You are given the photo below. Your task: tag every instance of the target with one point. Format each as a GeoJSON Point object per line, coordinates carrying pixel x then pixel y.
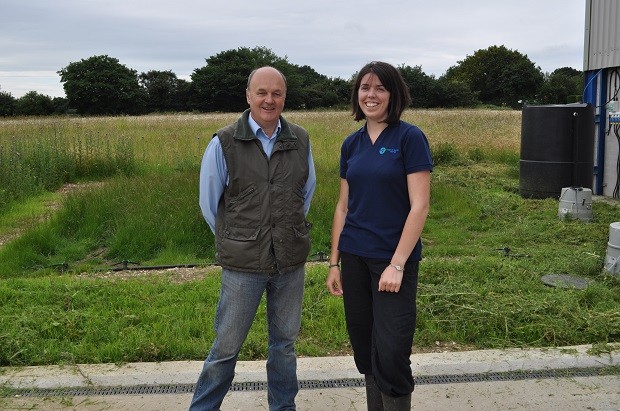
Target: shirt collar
{"type": "Point", "coordinates": [256, 127]}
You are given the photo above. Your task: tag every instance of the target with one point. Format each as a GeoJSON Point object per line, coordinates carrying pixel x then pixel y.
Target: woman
{"type": "Point", "coordinates": [382, 207]}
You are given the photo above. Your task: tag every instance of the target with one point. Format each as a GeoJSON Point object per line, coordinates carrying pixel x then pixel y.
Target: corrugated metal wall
{"type": "Point", "coordinates": [602, 34]}
{"type": "Point", "coordinates": [601, 62]}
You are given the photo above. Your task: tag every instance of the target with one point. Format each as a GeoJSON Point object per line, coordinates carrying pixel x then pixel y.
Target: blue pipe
{"type": "Point", "coordinates": [594, 79]}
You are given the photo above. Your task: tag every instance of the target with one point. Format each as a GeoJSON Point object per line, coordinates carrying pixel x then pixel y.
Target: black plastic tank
{"type": "Point", "coordinates": [557, 149]}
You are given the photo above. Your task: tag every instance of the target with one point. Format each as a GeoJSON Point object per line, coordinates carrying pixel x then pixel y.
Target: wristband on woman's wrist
{"type": "Point", "coordinates": [334, 265]}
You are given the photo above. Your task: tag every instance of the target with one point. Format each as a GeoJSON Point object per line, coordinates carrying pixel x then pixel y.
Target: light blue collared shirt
{"type": "Point", "coordinates": [214, 172]}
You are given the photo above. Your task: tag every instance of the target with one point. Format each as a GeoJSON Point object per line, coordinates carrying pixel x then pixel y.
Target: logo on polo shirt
{"type": "Point", "coordinates": [384, 150]}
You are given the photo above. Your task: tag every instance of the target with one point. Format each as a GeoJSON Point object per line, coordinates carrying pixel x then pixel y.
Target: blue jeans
{"type": "Point", "coordinates": [240, 296]}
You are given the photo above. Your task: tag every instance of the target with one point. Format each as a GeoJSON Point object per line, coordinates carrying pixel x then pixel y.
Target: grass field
{"type": "Point", "coordinates": [131, 197]}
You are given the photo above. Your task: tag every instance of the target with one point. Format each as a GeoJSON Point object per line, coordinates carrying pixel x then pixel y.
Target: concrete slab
{"type": "Point", "coordinates": [601, 392]}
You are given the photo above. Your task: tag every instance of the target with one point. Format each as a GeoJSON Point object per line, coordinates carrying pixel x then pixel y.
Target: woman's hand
{"type": "Point", "coordinates": [390, 280]}
{"type": "Point", "coordinates": [333, 281]}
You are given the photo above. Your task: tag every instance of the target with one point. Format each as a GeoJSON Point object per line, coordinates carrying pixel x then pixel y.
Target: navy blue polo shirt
{"type": "Point", "coordinates": [378, 195]}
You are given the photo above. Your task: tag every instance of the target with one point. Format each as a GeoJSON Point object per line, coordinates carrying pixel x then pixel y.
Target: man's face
{"type": "Point", "coordinates": [265, 95]}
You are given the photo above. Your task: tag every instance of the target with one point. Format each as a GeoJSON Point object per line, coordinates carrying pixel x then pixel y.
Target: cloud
{"type": "Point", "coordinates": [334, 37]}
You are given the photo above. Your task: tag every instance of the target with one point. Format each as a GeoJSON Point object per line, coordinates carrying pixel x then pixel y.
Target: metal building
{"type": "Point", "coordinates": [601, 66]}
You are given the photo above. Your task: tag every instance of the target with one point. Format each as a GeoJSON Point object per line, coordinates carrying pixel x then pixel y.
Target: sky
{"type": "Point", "coordinates": [334, 37]}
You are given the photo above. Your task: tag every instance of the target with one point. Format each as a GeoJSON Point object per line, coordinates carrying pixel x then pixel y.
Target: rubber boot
{"type": "Point", "coordinates": [374, 400]}
{"type": "Point", "coordinates": [396, 403]}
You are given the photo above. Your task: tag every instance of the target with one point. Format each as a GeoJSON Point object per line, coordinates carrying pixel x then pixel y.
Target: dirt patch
{"type": "Point", "coordinates": [175, 275]}
{"type": "Point", "coordinates": [5, 238]}
{"type": "Point", "coordinates": [443, 346]}
{"type": "Point", "coordinates": [12, 234]}
{"type": "Point", "coordinates": [50, 208]}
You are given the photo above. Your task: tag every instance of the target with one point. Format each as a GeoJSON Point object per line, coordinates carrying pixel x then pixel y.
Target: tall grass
{"type": "Point", "coordinates": [38, 157]}
{"type": "Point", "coordinates": [486, 249]}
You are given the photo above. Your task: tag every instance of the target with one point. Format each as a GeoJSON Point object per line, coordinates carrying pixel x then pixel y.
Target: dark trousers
{"type": "Point", "coordinates": [380, 324]}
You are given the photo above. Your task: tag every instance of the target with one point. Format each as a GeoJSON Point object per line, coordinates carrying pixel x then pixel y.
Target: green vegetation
{"type": "Point", "coordinates": [46, 158]}
{"type": "Point", "coordinates": [101, 85]}
{"type": "Point", "coordinates": [486, 248]}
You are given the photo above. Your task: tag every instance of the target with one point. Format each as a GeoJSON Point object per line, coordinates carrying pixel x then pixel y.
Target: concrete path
{"type": "Point", "coordinates": [569, 378]}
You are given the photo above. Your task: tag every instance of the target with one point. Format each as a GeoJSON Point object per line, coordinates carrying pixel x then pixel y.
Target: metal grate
{"type": "Point", "coordinates": [309, 384]}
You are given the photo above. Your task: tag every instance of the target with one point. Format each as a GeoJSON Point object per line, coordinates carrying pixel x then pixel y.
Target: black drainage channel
{"type": "Point", "coordinates": [308, 384]}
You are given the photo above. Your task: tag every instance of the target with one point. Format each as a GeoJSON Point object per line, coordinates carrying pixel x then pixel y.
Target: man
{"type": "Point", "coordinates": [256, 182]}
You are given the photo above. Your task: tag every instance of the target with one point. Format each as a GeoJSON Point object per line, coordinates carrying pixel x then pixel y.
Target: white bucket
{"type": "Point", "coordinates": [575, 202]}
{"type": "Point", "coordinates": [612, 260]}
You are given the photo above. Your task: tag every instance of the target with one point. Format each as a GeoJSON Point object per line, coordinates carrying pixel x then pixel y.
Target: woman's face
{"type": "Point", "coordinates": [373, 98]}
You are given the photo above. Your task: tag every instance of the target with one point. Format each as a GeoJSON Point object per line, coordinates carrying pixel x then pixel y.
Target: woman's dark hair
{"type": "Point", "coordinates": [393, 82]}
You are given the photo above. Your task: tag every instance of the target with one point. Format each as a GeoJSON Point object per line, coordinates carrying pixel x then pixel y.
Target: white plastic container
{"type": "Point", "coordinates": [575, 202]}
{"type": "Point", "coordinates": [612, 259]}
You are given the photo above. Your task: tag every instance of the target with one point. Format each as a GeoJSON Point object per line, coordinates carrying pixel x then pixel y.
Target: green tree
{"type": "Point", "coordinates": [453, 94]}
{"type": "Point", "coordinates": [7, 104]}
{"type": "Point", "coordinates": [312, 90]}
{"type": "Point", "coordinates": [161, 89]}
{"type": "Point", "coordinates": [221, 84]}
{"type": "Point", "coordinates": [101, 85]}
{"type": "Point", "coordinates": [61, 105]}
{"type": "Point", "coordinates": [427, 91]}
{"type": "Point", "coordinates": [421, 86]}
{"type": "Point", "coordinates": [499, 76]}
{"type": "Point", "coordinates": [316, 90]}
{"type": "Point", "coordinates": [34, 104]}
{"type": "Point", "coordinates": [183, 95]}
{"type": "Point", "coordinates": [562, 86]}
{"type": "Point", "coordinates": [343, 90]}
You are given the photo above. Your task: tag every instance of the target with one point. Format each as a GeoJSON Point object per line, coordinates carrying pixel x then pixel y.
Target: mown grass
{"type": "Point", "coordinates": [486, 249]}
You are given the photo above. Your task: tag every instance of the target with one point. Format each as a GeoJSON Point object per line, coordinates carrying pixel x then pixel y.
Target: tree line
{"type": "Point", "coordinates": [101, 85]}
